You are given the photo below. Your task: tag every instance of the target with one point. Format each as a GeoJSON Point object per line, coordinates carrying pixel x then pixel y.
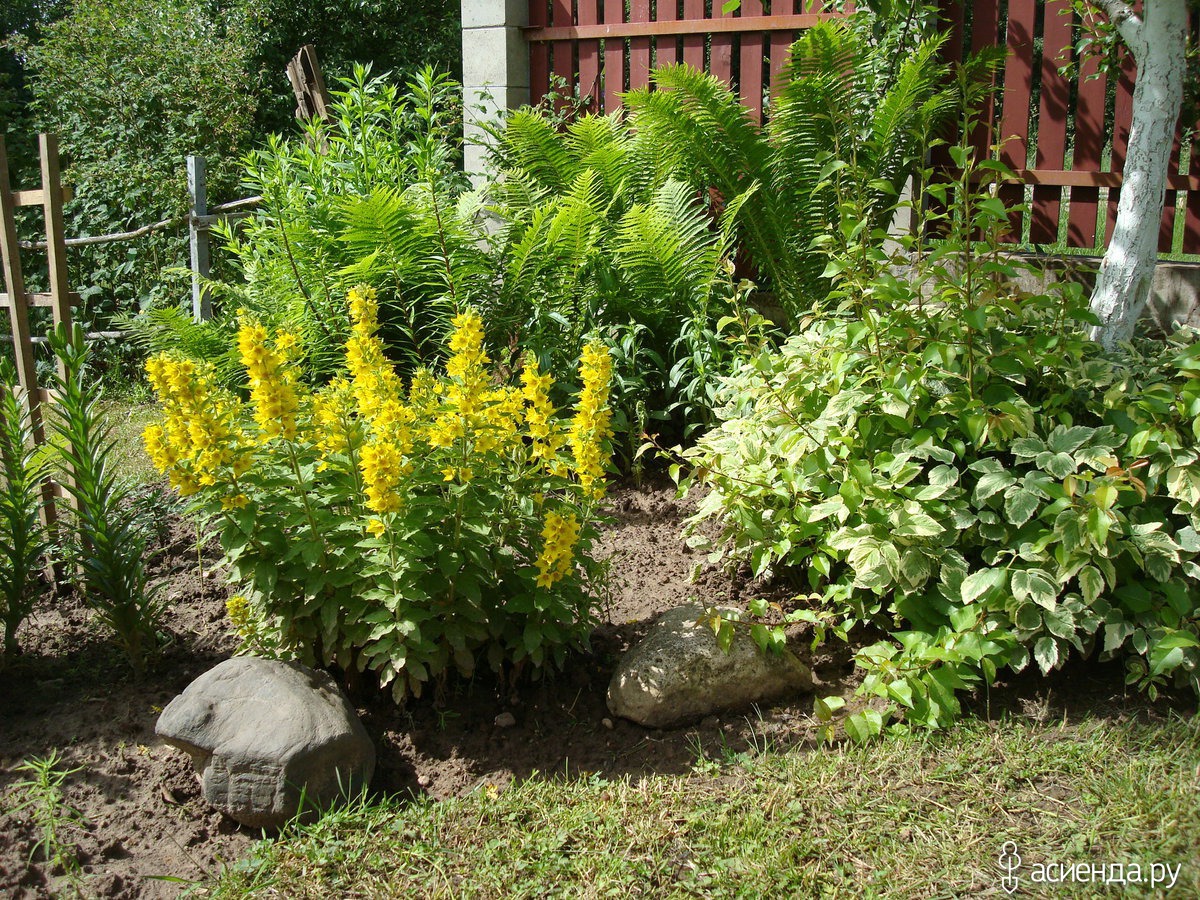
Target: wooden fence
{"type": "Point", "coordinates": [50, 196]}
{"type": "Point", "coordinates": [59, 298]}
{"type": "Point", "coordinates": [1064, 136]}
{"type": "Point", "coordinates": [600, 49]}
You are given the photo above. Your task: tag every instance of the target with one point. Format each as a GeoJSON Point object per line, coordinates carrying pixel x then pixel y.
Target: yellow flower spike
{"type": "Point", "coordinates": [376, 527]}
{"type": "Point", "coordinates": [272, 383]}
{"type": "Point", "coordinates": [559, 536]}
{"type": "Point", "coordinates": [382, 468]}
{"type": "Point", "coordinates": [199, 436]}
{"type": "Point", "coordinates": [590, 427]}
{"type": "Point", "coordinates": [374, 379]}
{"type": "Point", "coordinates": [237, 608]}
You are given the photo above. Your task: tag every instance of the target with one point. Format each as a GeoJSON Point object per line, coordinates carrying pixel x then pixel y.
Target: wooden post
{"type": "Point", "coordinates": [61, 297]}
{"type": "Point", "coordinates": [56, 238]}
{"type": "Point", "coordinates": [197, 172]}
{"type": "Point", "coordinates": [18, 310]}
{"type": "Point", "coordinates": [304, 72]}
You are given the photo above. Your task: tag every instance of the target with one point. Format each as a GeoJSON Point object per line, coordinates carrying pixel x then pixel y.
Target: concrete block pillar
{"type": "Point", "coordinates": [495, 69]}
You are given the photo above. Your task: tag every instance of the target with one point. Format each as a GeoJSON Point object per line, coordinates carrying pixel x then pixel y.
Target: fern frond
{"type": "Point", "coordinates": [668, 252]}
{"type": "Point", "coordinates": [531, 143]}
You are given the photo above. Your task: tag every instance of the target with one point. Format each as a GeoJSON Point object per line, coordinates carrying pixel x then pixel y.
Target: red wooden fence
{"type": "Point", "coordinates": [600, 51]}
{"type": "Point", "coordinates": [1064, 137]}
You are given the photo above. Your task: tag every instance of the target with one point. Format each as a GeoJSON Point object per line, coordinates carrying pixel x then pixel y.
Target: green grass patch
{"type": "Point", "coordinates": [128, 419]}
{"type": "Point", "coordinates": [918, 817]}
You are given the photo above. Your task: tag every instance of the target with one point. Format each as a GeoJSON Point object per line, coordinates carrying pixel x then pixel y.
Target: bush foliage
{"type": "Point", "coordinates": [950, 460]}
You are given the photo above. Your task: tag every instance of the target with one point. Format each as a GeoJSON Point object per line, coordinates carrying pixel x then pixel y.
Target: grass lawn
{"type": "Point", "coordinates": [128, 419]}
{"type": "Point", "coordinates": [922, 817]}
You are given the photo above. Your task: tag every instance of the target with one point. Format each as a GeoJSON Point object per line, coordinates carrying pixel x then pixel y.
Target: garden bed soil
{"type": "Point", "coordinates": [144, 830]}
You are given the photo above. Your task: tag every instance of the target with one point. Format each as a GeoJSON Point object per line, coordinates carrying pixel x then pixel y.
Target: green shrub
{"type": "Point", "coordinates": [950, 460]}
{"type": "Point", "coordinates": [370, 198]}
{"type": "Point", "coordinates": [132, 88]}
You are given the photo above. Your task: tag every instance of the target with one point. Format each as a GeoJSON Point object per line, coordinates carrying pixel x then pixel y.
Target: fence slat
{"type": "Point", "coordinates": [589, 56]}
{"type": "Point", "coordinates": [1166, 225]}
{"type": "Point", "coordinates": [1018, 88]}
{"type": "Point", "coordinates": [720, 62]}
{"type": "Point", "coordinates": [1084, 202]}
{"type": "Point", "coordinates": [562, 53]}
{"type": "Point", "coordinates": [985, 32]}
{"type": "Point", "coordinates": [639, 47]}
{"type": "Point", "coordinates": [693, 44]}
{"type": "Point", "coordinates": [614, 57]}
{"type": "Point", "coordinates": [1191, 218]}
{"type": "Point", "coordinates": [751, 51]}
{"type": "Point", "coordinates": [539, 54]}
{"type": "Point", "coordinates": [1052, 122]}
{"type": "Point", "coordinates": [666, 49]}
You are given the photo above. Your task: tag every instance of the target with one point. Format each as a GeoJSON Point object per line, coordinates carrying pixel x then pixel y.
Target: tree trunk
{"type": "Point", "coordinates": [1158, 42]}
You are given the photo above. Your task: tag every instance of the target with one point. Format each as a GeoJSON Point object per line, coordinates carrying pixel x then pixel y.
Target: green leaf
{"type": "Point", "coordinates": [1036, 585]}
{"type": "Point", "coordinates": [1188, 539]}
{"type": "Point", "coordinates": [1098, 525]}
{"type": "Point", "coordinates": [979, 583]}
{"type": "Point", "coordinates": [901, 691]}
{"type": "Point", "coordinates": [991, 483]}
{"type": "Point", "coordinates": [825, 707]}
{"type": "Point", "coordinates": [1104, 495]}
{"type": "Point", "coordinates": [1068, 440]}
{"type": "Point", "coordinates": [964, 617]}
{"type": "Point", "coordinates": [1091, 583]}
{"type": "Point", "coordinates": [1045, 652]}
{"type": "Point", "coordinates": [1028, 616]}
{"type": "Point", "coordinates": [1020, 505]}
{"type": "Point", "coordinates": [917, 524]}
{"type": "Point", "coordinates": [864, 725]}
{"type": "Point", "coordinates": [1060, 465]}
{"type": "Point", "coordinates": [1027, 448]}
{"type": "Point", "coordinates": [915, 567]}
{"type": "Point", "coordinates": [1059, 622]}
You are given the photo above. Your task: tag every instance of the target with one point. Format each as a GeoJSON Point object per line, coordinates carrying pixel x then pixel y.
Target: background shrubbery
{"type": "Point", "coordinates": [133, 87]}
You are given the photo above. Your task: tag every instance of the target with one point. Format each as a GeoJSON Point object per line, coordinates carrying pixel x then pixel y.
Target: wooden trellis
{"type": "Point", "coordinates": [50, 196]}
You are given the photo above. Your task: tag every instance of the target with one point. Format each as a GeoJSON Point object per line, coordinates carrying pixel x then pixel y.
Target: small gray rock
{"type": "Point", "coordinates": [260, 731]}
{"type": "Point", "coordinates": [679, 674]}
{"type": "Point", "coordinates": [505, 720]}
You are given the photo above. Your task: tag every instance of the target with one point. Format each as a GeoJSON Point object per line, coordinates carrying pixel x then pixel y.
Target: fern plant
{"type": "Point", "coordinates": [596, 229]}
{"type": "Point", "coordinates": [844, 133]}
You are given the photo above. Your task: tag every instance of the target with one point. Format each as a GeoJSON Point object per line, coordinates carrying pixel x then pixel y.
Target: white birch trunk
{"type": "Point", "coordinates": [1158, 42]}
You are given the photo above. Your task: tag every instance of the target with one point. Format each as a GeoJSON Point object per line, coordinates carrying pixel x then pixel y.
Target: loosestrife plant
{"type": "Point", "coordinates": [408, 529]}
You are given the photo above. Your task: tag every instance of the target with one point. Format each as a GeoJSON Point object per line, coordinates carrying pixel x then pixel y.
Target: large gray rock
{"type": "Point", "coordinates": [679, 673]}
{"type": "Point", "coordinates": [260, 731]}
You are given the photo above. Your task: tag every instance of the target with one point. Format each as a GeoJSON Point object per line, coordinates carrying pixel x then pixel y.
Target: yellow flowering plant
{"type": "Point", "coordinates": [401, 527]}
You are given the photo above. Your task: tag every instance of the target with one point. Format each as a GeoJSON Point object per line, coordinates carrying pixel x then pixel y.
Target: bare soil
{"type": "Point", "coordinates": [142, 820]}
